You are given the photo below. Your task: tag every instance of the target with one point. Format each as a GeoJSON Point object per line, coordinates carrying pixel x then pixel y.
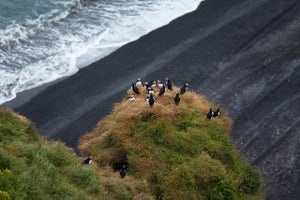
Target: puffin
{"type": "Point", "coordinates": [146, 84]}
{"type": "Point", "coordinates": [209, 114]}
{"type": "Point", "coordinates": [138, 82]}
{"type": "Point", "coordinates": [183, 89]}
{"type": "Point", "coordinates": [151, 100]}
{"type": "Point", "coordinates": [162, 91]}
{"type": "Point", "coordinates": [131, 98]}
{"type": "Point", "coordinates": [150, 90]}
{"type": "Point", "coordinates": [135, 89]}
{"type": "Point", "coordinates": [147, 98]}
{"type": "Point", "coordinates": [169, 84]}
{"type": "Point", "coordinates": [153, 84]}
{"type": "Point", "coordinates": [123, 171]}
{"type": "Point", "coordinates": [87, 161]}
{"type": "Point", "coordinates": [159, 84]}
{"type": "Point", "coordinates": [177, 98]}
{"type": "Point", "coordinates": [217, 113]}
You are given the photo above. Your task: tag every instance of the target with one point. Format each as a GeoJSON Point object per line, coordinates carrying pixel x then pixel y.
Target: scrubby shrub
{"type": "Point", "coordinates": [4, 160]}
{"type": "Point", "coordinates": [250, 182]}
{"type": "Point", "coordinates": [4, 195]}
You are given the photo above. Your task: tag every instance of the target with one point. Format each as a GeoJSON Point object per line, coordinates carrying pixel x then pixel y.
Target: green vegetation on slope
{"type": "Point", "coordinates": [173, 152]}
{"type": "Point", "coordinates": [34, 168]}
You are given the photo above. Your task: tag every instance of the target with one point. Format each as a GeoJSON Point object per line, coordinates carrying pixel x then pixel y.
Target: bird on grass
{"type": "Point", "coordinates": [209, 114]}
{"type": "Point", "coordinates": [150, 90]}
{"type": "Point", "coordinates": [169, 84]}
{"type": "Point", "coordinates": [87, 161]}
{"type": "Point", "coordinates": [147, 98]}
{"type": "Point", "coordinates": [177, 98]}
{"type": "Point", "coordinates": [123, 171]}
{"type": "Point", "coordinates": [138, 82]}
{"type": "Point", "coordinates": [151, 100]}
{"type": "Point", "coordinates": [217, 113]}
{"type": "Point", "coordinates": [162, 90]}
{"type": "Point", "coordinates": [146, 84]}
{"type": "Point", "coordinates": [131, 98]}
{"type": "Point", "coordinates": [183, 89]}
{"type": "Point", "coordinates": [159, 84]}
{"type": "Point", "coordinates": [135, 89]}
{"type": "Point", "coordinates": [153, 84]}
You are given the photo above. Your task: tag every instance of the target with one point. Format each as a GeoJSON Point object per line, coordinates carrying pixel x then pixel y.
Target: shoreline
{"type": "Point", "coordinates": [232, 52]}
{"type": "Point", "coordinates": [25, 96]}
{"type": "Point", "coordinates": [97, 41]}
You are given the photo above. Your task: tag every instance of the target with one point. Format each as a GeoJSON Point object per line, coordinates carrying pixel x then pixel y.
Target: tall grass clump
{"type": "Point", "coordinates": [34, 168]}
{"type": "Point", "coordinates": [173, 150]}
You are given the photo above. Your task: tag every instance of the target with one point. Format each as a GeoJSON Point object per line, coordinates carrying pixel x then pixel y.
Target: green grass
{"type": "Point", "coordinates": [34, 168]}
{"type": "Point", "coordinates": [175, 149]}
{"type": "Point", "coordinates": [172, 152]}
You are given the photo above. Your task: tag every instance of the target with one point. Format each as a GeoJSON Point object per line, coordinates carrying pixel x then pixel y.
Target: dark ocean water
{"type": "Point", "coordinates": [43, 40]}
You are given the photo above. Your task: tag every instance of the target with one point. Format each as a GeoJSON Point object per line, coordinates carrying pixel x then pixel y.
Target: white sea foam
{"type": "Point", "coordinates": [81, 38]}
{"type": "Point", "coordinates": [22, 29]}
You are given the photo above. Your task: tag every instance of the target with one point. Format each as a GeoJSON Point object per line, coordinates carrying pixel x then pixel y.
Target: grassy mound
{"type": "Point", "coordinates": [172, 152]}
{"type": "Point", "coordinates": [34, 168]}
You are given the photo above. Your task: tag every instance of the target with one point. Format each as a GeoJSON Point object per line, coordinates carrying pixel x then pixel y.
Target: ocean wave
{"type": "Point", "coordinates": [82, 38]}
{"type": "Point", "coordinates": [34, 22]}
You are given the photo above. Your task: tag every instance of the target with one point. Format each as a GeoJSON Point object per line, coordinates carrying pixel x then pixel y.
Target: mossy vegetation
{"type": "Point", "coordinates": [34, 168]}
{"type": "Point", "coordinates": [172, 152]}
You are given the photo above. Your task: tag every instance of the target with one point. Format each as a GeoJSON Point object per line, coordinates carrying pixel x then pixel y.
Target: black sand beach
{"type": "Point", "coordinates": [241, 54]}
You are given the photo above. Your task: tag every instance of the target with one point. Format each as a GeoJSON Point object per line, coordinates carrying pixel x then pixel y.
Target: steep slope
{"type": "Point", "coordinates": [33, 168]}
{"type": "Point", "coordinates": [171, 151]}
{"type": "Point", "coordinates": [242, 54]}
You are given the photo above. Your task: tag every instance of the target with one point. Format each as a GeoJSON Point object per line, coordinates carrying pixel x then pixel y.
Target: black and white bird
{"type": "Point", "coordinates": [87, 161]}
{"type": "Point", "coordinates": [150, 90]}
{"type": "Point", "coordinates": [123, 171]}
{"type": "Point", "coordinates": [147, 98]}
{"type": "Point", "coordinates": [183, 89]}
{"type": "Point", "coordinates": [138, 82]}
{"type": "Point", "coordinates": [209, 114]}
{"type": "Point", "coordinates": [177, 98]}
{"type": "Point", "coordinates": [146, 84]}
{"type": "Point", "coordinates": [162, 91]}
{"type": "Point", "coordinates": [217, 113]}
{"type": "Point", "coordinates": [153, 84]}
{"type": "Point", "coordinates": [159, 84]}
{"type": "Point", "coordinates": [135, 89]}
{"type": "Point", "coordinates": [151, 100]}
{"type": "Point", "coordinates": [131, 98]}
{"type": "Point", "coordinates": [169, 84]}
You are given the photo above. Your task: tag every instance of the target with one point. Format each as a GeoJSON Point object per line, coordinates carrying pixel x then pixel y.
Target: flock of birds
{"type": "Point", "coordinates": [151, 87]}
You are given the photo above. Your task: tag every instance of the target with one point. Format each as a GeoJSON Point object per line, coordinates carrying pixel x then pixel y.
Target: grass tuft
{"type": "Point", "coordinates": [175, 149]}
{"type": "Point", "coordinates": [34, 168]}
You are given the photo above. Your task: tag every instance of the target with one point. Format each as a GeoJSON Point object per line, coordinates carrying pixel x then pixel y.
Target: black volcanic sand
{"type": "Point", "coordinates": [243, 55]}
